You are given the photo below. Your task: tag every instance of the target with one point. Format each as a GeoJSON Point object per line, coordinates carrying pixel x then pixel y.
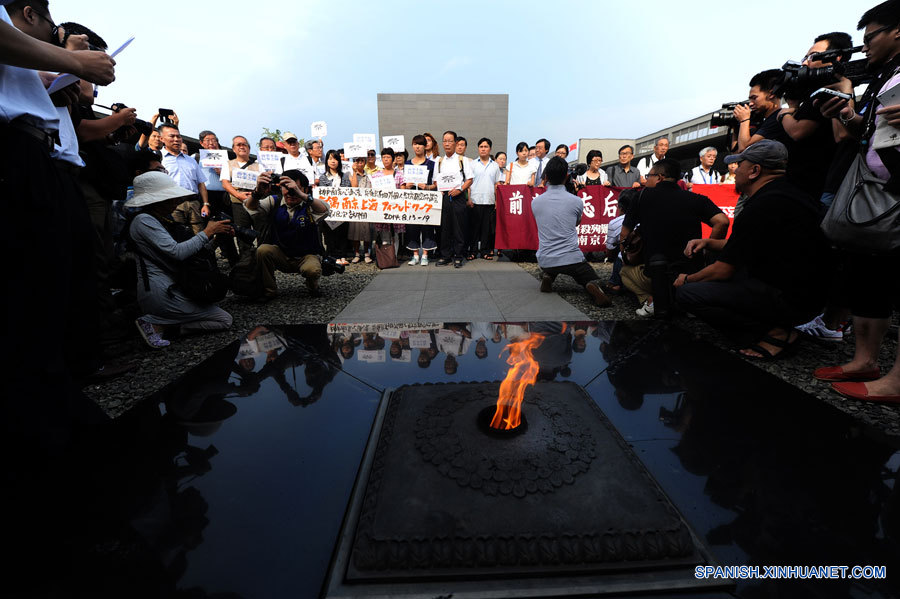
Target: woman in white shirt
{"type": "Point", "coordinates": [594, 174]}
{"type": "Point", "coordinates": [336, 238]}
{"type": "Point", "coordinates": [522, 171]}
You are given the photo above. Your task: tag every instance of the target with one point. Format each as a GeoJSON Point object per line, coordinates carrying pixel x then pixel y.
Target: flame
{"type": "Point", "coordinates": [523, 372]}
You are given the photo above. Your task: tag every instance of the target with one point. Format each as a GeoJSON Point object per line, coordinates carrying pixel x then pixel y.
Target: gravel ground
{"type": "Point", "coordinates": [156, 368]}
{"type": "Point", "coordinates": [796, 369]}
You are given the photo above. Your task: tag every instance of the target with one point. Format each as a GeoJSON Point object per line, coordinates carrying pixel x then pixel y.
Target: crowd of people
{"type": "Point", "coordinates": [776, 275]}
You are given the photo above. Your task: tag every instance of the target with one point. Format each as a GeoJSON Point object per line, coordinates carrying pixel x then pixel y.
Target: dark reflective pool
{"type": "Point", "coordinates": [233, 482]}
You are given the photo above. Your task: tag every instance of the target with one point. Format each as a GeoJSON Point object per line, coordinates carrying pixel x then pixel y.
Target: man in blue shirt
{"type": "Point", "coordinates": [558, 214]}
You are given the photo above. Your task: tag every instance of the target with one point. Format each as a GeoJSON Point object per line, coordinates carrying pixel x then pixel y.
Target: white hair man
{"type": "Point", "coordinates": [704, 173]}
{"type": "Point", "coordinates": [660, 149]}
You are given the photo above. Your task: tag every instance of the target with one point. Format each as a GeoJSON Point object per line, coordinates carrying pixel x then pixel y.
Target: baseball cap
{"type": "Point", "coordinates": [288, 135]}
{"type": "Point", "coordinates": [767, 153]}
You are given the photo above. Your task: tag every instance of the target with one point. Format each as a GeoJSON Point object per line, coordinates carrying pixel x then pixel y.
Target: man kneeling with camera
{"type": "Point", "coordinates": [291, 237]}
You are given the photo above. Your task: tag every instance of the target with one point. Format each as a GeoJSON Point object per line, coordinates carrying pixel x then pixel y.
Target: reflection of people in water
{"type": "Point", "coordinates": [454, 340]}
{"type": "Point", "coordinates": [346, 343]}
{"type": "Point", "coordinates": [554, 353]}
{"type": "Point", "coordinates": [481, 333]}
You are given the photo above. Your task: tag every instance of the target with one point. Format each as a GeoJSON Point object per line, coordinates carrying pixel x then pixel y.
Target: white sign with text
{"type": "Point", "coordinates": [394, 142]}
{"type": "Point", "coordinates": [213, 158]}
{"type": "Point", "coordinates": [366, 139]}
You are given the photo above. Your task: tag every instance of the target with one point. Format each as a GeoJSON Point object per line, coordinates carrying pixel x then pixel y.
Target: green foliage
{"type": "Point", "coordinates": [276, 134]}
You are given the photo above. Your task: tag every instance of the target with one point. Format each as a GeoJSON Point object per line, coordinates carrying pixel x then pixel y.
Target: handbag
{"type": "Point", "coordinates": [633, 248]}
{"type": "Point", "coordinates": [385, 256]}
{"type": "Point", "coordinates": [863, 216]}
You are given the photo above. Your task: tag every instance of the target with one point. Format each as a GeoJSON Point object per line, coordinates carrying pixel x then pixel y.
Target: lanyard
{"type": "Point", "coordinates": [703, 176]}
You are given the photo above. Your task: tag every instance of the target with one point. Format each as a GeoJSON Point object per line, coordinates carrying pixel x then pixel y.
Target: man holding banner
{"type": "Point", "coordinates": [557, 214]}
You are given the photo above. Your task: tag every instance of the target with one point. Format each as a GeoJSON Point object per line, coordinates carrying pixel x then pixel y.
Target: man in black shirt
{"type": "Point", "coordinates": [764, 104]}
{"type": "Point", "coordinates": [771, 273]}
{"type": "Point", "coordinates": [669, 218]}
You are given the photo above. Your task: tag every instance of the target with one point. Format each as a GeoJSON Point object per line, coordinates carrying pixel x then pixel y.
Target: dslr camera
{"type": "Point", "coordinates": [330, 266]}
{"type": "Point", "coordinates": [245, 234]}
{"type": "Point", "coordinates": [125, 133]}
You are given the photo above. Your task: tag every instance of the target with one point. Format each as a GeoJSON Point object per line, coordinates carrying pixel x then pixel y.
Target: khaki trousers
{"type": "Point", "coordinates": [188, 213]}
{"type": "Point", "coordinates": [637, 281]}
{"type": "Point", "coordinates": [271, 258]}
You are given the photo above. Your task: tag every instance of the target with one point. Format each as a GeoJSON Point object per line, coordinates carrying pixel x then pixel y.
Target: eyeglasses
{"type": "Point", "coordinates": [291, 142]}
{"type": "Point", "coordinates": [654, 175]}
{"type": "Point", "coordinates": [867, 39]}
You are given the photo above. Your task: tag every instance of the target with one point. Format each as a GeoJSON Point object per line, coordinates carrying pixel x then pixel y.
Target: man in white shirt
{"type": "Point", "coordinates": [705, 174]}
{"type": "Point", "coordinates": [660, 148]}
{"type": "Point", "coordinates": [315, 166]}
{"type": "Point", "coordinates": [485, 175]}
{"type": "Point", "coordinates": [294, 159]}
{"type": "Point", "coordinates": [454, 224]}
{"type": "Point", "coordinates": [541, 148]}
{"type": "Point", "coordinates": [185, 171]}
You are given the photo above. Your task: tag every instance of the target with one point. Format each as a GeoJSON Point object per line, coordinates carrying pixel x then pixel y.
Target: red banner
{"type": "Point", "coordinates": [517, 230]}
{"type": "Point", "coordinates": [723, 196]}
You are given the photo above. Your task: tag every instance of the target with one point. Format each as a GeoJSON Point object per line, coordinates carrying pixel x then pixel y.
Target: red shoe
{"type": "Point", "coordinates": [836, 373]}
{"type": "Point", "coordinates": [859, 391]}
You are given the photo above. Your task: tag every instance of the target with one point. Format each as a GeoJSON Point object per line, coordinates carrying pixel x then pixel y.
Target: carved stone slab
{"type": "Point", "coordinates": [444, 499]}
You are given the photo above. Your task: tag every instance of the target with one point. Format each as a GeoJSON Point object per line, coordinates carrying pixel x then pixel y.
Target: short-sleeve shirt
{"type": "Point", "coordinates": [448, 164]}
{"type": "Point", "coordinates": [556, 212]}
{"type": "Point", "coordinates": [772, 129]}
{"type": "Point", "coordinates": [600, 180]}
{"type": "Point", "coordinates": [669, 218]}
{"type": "Point", "coordinates": [619, 178]}
{"type": "Point", "coordinates": [22, 94]}
{"type": "Point", "coordinates": [521, 174]}
{"type": "Point", "coordinates": [183, 169]}
{"type": "Point", "coordinates": [873, 160]}
{"type": "Point", "coordinates": [429, 164]}
{"type": "Point", "coordinates": [484, 182]}
{"type": "Point", "coordinates": [777, 239]}
{"type": "Point", "coordinates": [701, 177]}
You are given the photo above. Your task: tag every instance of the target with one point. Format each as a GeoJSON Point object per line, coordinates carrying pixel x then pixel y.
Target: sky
{"type": "Point", "coordinates": [572, 69]}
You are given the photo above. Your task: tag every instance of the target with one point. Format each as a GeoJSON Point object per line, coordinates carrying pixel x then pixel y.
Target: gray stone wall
{"type": "Point", "coordinates": [471, 115]}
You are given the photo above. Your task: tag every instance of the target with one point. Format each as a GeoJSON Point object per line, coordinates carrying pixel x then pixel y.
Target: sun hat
{"type": "Point", "coordinates": [153, 187]}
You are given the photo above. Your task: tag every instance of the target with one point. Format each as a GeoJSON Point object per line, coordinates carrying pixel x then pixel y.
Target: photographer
{"type": "Point", "coordinates": [763, 107]}
{"type": "Point", "coordinates": [876, 289]}
{"type": "Point", "coordinates": [813, 141]}
{"type": "Point", "coordinates": [293, 239]}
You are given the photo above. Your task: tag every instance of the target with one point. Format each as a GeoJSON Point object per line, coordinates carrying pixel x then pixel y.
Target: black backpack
{"type": "Point", "coordinates": [197, 276]}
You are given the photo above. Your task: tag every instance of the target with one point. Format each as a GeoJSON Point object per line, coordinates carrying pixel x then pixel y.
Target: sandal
{"type": "Point", "coordinates": [787, 348]}
{"type": "Point", "coordinates": [470, 257]}
{"type": "Point", "coordinates": [355, 260]}
{"type": "Point", "coordinates": [488, 256]}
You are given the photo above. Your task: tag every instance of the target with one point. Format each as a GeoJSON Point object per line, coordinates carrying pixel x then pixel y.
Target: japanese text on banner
{"type": "Point", "coordinates": [405, 206]}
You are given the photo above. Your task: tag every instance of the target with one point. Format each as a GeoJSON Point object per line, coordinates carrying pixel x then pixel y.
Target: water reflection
{"type": "Point", "coordinates": [221, 485]}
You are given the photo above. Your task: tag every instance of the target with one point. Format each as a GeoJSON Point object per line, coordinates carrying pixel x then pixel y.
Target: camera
{"type": "Point", "coordinates": [125, 133]}
{"type": "Point", "coordinates": [725, 117]}
{"type": "Point", "coordinates": [799, 81]}
{"type": "Point", "coordinates": [165, 113]}
{"type": "Point", "coordinates": [330, 266]}
{"type": "Point", "coordinates": [245, 234]}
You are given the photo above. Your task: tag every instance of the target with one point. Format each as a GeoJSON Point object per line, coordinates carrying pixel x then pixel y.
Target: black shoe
{"type": "Point", "coordinates": [458, 263]}
{"type": "Point", "coordinates": [442, 262]}
{"type": "Point", "coordinates": [546, 283]}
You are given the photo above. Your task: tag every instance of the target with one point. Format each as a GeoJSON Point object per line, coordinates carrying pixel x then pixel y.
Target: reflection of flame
{"type": "Point", "coordinates": [523, 372]}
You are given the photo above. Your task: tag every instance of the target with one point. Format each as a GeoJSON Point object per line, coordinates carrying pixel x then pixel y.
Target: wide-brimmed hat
{"type": "Point", "coordinates": [153, 187]}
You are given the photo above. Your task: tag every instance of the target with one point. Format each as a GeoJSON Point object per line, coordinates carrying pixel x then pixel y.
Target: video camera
{"type": "Point", "coordinates": [124, 133]}
{"type": "Point", "coordinates": [799, 81]}
{"type": "Point", "coordinates": [725, 117]}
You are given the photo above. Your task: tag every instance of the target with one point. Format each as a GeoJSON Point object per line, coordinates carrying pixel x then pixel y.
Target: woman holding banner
{"type": "Point", "coordinates": [421, 236]}
{"type": "Point", "coordinates": [522, 171]}
{"type": "Point", "coordinates": [385, 231]}
{"type": "Point", "coordinates": [335, 238]}
{"type": "Point", "coordinates": [594, 175]}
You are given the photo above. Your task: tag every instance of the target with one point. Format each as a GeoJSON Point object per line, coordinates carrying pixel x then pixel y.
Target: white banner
{"type": "Point", "coordinates": [244, 179]}
{"type": "Point", "coordinates": [405, 206]}
{"type": "Point", "coordinates": [381, 181]}
{"type": "Point", "coordinates": [417, 174]}
{"type": "Point", "coordinates": [270, 161]}
{"type": "Point", "coordinates": [318, 129]}
{"type": "Point", "coordinates": [378, 327]}
{"type": "Point", "coordinates": [448, 181]}
{"type": "Point", "coordinates": [366, 139]}
{"type": "Point", "coordinates": [213, 158]}
{"type": "Point", "coordinates": [394, 142]}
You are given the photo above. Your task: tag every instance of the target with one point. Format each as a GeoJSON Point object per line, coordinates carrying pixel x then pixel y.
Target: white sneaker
{"type": "Point", "coordinates": [424, 261]}
{"type": "Point", "coordinates": [414, 261]}
{"type": "Point", "coordinates": [817, 328]}
{"type": "Point", "coordinates": [646, 310]}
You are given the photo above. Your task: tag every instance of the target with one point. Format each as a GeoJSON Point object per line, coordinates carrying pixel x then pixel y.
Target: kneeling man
{"type": "Point", "coordinates": [557, 214]}
{"type": "Point", "coordinates": [292, 233]}
{"type": "Point", "coordinates": [772, 272]}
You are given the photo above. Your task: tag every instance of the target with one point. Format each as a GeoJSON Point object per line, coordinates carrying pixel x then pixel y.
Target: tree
{"type": "Point", "coordinates": [276, 135]}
